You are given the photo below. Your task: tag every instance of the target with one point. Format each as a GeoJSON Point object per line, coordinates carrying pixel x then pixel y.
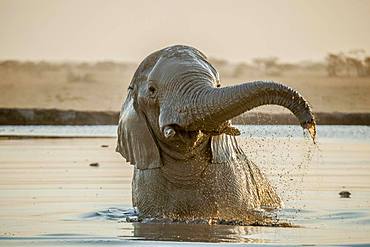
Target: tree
{"type": "Point", "coordinates": [269, 65]}
{"type": "Point", "coordinates": [367, 66]}
{"type": "Point", "coordinates": [354, 67]}
{"type": "Point", "coordinates": [334, 64]}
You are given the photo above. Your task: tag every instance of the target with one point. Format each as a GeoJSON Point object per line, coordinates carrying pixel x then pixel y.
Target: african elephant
{"type": "Point", "coordinates": [174, 128]}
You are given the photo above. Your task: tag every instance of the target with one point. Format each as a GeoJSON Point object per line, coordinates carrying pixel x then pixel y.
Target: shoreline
{"type": "Point", "coordinates": [38, 116]}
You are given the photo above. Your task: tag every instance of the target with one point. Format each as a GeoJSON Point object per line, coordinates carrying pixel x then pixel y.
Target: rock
{"type": "Point", "coordinates": [95, 164]}
{"type": "Point", "coordinates": [104, 146]}
{"type": "Point", "coordinates": [345, 194]}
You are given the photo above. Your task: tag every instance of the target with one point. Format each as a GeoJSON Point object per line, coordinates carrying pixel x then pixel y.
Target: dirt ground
{"type": "Point", "coordinates": [102, 86]}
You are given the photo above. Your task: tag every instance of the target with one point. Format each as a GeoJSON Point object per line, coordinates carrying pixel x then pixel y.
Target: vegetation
{"type": "Point", "coordinates": [102, 86]}
{"type": "Point", "coordinates": [353, 63]}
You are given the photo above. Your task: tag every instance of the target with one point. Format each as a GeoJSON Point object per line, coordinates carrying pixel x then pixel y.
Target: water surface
{"type": "Point", "coordinates": [324, 131]}
{"type": "Point", "coordinates": [50, 195]}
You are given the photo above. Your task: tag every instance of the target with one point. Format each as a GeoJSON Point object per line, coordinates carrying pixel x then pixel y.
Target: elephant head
{"type": "Point", "coordinates": [175, 128]}
{"type": "Point", "coordinates": [175, 103]}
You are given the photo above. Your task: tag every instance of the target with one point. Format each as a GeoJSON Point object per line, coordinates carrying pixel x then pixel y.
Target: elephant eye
{"type": "Point", "coordinates": [152, 90]}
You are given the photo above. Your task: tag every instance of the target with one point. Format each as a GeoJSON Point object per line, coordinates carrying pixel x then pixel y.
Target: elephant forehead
{"type": "Point", "coordinates": [177, 69]}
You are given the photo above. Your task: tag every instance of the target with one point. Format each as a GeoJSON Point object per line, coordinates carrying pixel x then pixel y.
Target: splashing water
{"type": "Point", "coordinates": [113, 213]}
{"type": "Point", "coordinates": [285, 159]}
{"type": "Point", "coordinates": [311, 128]}
{"type": "Point", "coordinates": [122, 215]}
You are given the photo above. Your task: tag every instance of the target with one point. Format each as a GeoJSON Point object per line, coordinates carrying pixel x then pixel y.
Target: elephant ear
{"type": "Point", "coordinates": [225, 149]}
{"type": "Point", "coordinates": [135, 141]}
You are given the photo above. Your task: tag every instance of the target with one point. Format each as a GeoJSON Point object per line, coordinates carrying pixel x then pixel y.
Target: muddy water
{"type": "Point", "coordinates": [50, 195]}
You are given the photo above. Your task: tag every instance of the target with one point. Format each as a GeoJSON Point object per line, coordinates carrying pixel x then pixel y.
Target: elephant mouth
{"type": "Point", "coordinates": [174, 131]}
{"type": "Point", "coordinates": [195, 137]}
{"type": "Point", "coordinates": [189, 141]}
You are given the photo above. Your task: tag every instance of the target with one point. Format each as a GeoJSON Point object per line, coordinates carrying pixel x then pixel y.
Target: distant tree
{"type": "Point", "coordinates": [268, 65]}
{"type": "Point", "coordinates": [367, 66]}
{"type": "Point", "coordinates": [79, 76]}
{"type": "Point", "coordinates": [334, 64]}
{"type": "Point", "coordinates": [9, 64]}
{"type": "Point", "coordinates": [352, 63]}
{"type": "Point", "coordinates": [354, 67]}
{"type": "Point", "coordinates": [83, 65]}
{"type": "Point", "coordinates": [240, 69]}
{"type": "Point", "coordinates": [105, 65]}
{"type": "Point", "coordinates": [288, 66]}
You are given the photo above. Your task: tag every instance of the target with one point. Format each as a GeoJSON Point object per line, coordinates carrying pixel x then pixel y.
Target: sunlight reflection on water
{"type": "Point", "coordinates": [308, 177]}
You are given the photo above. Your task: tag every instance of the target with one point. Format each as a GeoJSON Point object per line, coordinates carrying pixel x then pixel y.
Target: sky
{"type": "Point", "coordinates": [235, 30]}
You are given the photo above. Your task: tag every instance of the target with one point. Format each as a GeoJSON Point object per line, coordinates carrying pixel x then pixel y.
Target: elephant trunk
{"type": "Point", "coordinates": [213, 106]}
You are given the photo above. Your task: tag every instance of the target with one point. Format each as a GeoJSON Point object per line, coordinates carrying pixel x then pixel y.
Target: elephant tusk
{"type": "Point", "coordinates": [168, 132]}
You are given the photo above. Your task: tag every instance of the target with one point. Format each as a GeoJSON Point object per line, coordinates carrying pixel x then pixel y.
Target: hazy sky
{"type": "Point", "coordinates": [129, 30]}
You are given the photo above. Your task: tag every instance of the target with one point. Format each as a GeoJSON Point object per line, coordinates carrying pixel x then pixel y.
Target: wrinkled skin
{"type": "Point", "coordinates": [174, 128]}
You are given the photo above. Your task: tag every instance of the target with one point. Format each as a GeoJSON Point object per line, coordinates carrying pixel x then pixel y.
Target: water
{"type": "Point", "coordinates": [323, 131]}
{"type": "Point", "coordinates": [59, 130]}
{"type": "Point", "coordinates": [49, 195]}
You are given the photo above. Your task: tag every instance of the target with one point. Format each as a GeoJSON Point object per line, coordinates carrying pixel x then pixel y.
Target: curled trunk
{"type": "Point", "coordinates": [211, 107]}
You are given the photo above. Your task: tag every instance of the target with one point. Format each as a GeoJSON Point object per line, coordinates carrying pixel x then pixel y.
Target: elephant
{"type": "Point", "coordinates": [175, 129]}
